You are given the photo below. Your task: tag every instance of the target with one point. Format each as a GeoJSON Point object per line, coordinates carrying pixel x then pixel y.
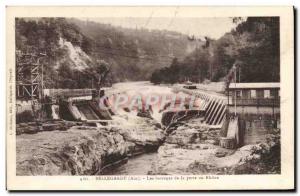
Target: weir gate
{"type": "Point", "coordinates": [240, 124]}
{"type": "Point", "coordinates": [214, 107]}
{"type": "Point", "coordinates": [78, 105]}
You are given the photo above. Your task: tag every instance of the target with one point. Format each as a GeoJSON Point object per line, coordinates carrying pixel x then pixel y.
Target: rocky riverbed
{"type": "Point", "coordinates": [83, 150]}
{"type": "Point", "coordinates": [187, 147]}
{"type": "Point", "coordinates": [192, 148]}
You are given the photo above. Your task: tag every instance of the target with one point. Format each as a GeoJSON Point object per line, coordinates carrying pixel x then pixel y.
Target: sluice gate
{"type": "Point", "coordinates": [77, 104]}
{"type": "Point", "coordinates": [215, 106]}
{"type": "Point", "coordinates": [87, 112]}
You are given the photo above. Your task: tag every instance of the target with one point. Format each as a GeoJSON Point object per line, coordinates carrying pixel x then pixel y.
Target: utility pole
{"type": "Point", "coordinates": [235, 92]}
{"type": "Point", "coordinates": [210, 71]}
{"type": "Point", "coordinates": [42, 81]}
{"type": "Point", "coordinates": [239, 74]}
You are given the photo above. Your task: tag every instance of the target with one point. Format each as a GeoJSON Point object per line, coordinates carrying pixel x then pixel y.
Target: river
{"type": "Point", "coordinates": [145, 90]}
{"type": "Point", "coordinates": [148, 91]}
{"type": "Point", "coordinates": [139, 165]}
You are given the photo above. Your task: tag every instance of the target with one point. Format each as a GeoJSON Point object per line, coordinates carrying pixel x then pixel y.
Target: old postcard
{"type": "Point", "coordinates": [150, 98]}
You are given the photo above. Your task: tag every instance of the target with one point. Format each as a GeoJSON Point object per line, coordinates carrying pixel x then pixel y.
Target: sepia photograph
{"type": "Point", "coordinates": [150, 97]}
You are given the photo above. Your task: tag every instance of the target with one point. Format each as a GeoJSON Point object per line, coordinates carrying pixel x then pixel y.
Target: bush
{"type": "Point", "coordinates": [265, 158]}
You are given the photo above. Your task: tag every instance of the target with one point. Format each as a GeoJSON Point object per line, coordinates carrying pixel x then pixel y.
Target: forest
{"type": "Point", "coordinates": [87, 54]}
{"type": "Point", "coordinates": [83, 54]}
{"type": "Point", "coordinates": [253, 47]}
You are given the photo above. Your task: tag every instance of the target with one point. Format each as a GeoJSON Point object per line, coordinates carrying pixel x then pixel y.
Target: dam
{"type": "Point", "coordinates": [79, 105]}
{"type": "Point", "coordinates": [211, 111]}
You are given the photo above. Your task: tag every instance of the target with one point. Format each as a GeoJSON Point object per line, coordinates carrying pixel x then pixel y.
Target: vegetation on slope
{"type": "Point", "coordinates": [253, 46]}
{"type": "Point", "coordinates": [78, 52]}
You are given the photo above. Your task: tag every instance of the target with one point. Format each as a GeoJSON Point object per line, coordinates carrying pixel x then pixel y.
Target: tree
{"type": "Point", "coordinates": [260, 55]}
{"type": "Point", "coordinates": [254, 44]}
{"type": "Point", "coordinates": [102, 69]}
{"type": "Point", "coordinates": [65, 76]}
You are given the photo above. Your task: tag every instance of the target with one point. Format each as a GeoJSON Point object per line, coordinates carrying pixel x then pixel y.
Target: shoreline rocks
{"type": "Point", "coordinates": [51, 125]}
{"type": "Point", "coordinates": [193, 149]}
{"type": "Point", "coordinates": [190, 149]}
{"type": "Point", "coordinates": [82, 150]}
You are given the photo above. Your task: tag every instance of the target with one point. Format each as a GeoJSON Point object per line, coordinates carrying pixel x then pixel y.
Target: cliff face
{"type": "Point", "coordinates": [83, 150]}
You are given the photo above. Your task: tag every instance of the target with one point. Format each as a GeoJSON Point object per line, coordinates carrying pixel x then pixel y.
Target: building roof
{"type": "Point", "coordinates": [254, 85]}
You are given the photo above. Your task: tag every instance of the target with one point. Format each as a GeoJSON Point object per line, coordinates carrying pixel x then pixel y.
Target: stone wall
{"type": "Point", "coordinates": [255, 123]}
{"type": "Point", "coordinates": [257, 131]}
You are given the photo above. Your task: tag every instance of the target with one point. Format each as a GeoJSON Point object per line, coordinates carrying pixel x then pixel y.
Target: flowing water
{"type": "Point", "coordinates": [139, 165]}
{"type": "Point", "coordinates": [145, 90]}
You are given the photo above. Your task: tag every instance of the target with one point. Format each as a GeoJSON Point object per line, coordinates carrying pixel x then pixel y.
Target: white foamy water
{"type": "Point", "coordinates": [146, 90]}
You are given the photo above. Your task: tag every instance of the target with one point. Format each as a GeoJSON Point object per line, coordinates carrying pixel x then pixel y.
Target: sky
{"type": "Point", "coordinates": [199, 27]}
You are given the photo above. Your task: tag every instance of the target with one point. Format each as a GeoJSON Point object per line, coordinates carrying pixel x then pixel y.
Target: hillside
{"type": "Point", "coordinates": [253, 47]}
{"type": "Point", "coordinates": [138, 52]}
{"type": "Point", "coordinates": [79, 54]}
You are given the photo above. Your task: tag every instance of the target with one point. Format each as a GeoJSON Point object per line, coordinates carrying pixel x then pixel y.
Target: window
{"type": "Point", "coordinates": [253, 94]}
{"type": "Point", "coordinates": [267, 94]}
{"type": "Point", "coordinates": [238, 94]}
{"type": "Point", "coordinates": [274, 93]}
{"type": "Point", "coordinates": [246, 94]}
{"type": "Point", "coordinates": [260, 94]}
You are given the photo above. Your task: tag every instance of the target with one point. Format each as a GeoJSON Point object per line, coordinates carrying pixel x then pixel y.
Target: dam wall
{"type": "Point", "coordinates": [213, 104]}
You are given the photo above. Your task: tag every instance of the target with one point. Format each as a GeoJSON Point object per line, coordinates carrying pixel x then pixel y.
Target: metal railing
{"type": "Point", "coordinates": [67, 92]}
{"type": "Point", "coordinates": [256, 102]}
